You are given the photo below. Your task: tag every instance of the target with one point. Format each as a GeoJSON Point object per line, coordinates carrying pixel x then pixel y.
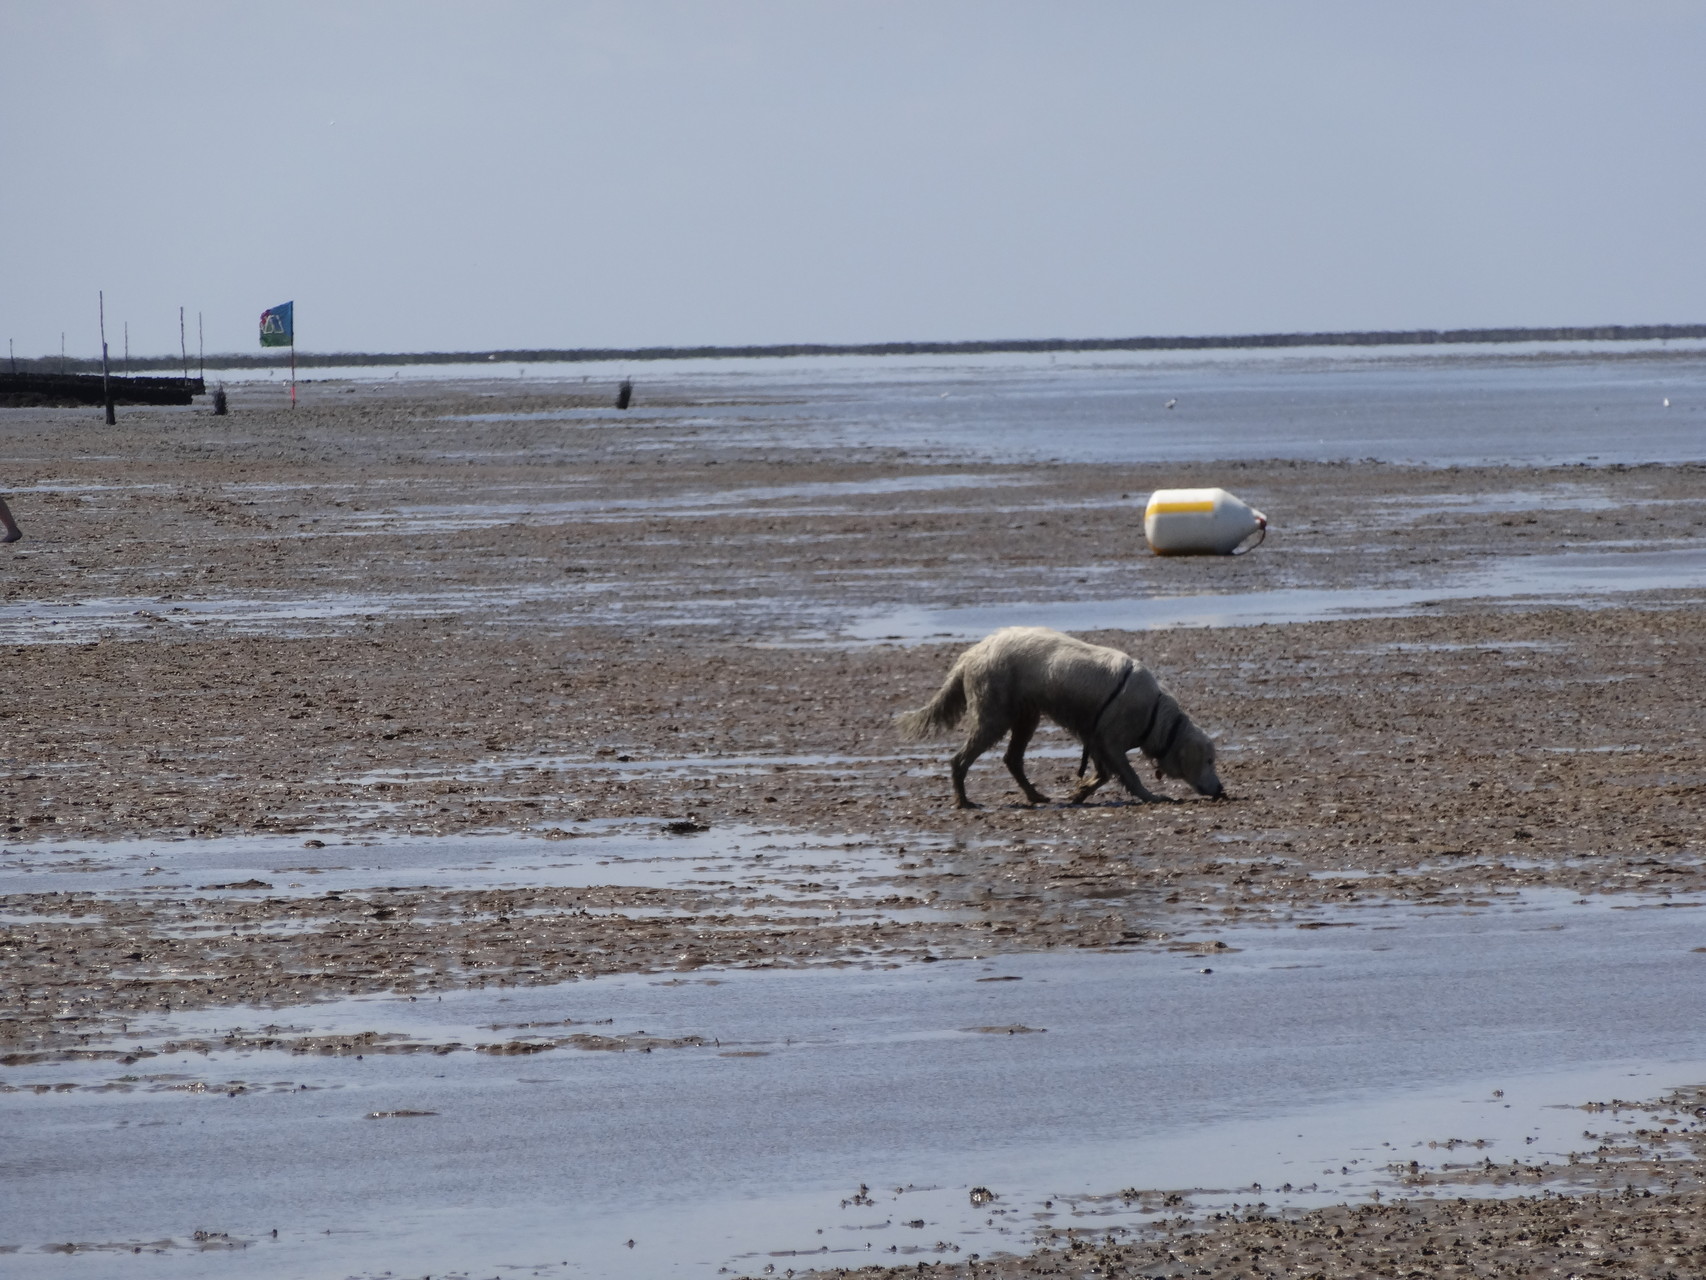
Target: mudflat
{"type": "Point", "coordinates": [484, 611]}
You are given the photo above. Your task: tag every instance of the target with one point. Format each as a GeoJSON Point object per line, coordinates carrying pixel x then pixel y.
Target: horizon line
{"type": "Point", "coordinates": [975, 346]}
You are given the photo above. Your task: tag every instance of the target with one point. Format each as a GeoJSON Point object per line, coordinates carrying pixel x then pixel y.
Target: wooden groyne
{"type": "Point", "coordinates": [65, 389]}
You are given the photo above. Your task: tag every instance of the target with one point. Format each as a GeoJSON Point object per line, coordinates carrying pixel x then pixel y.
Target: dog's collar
{"type": "Point", "coordinates": [1172, 736]}
{"type": "Point", "coordinates": [1149, 724]}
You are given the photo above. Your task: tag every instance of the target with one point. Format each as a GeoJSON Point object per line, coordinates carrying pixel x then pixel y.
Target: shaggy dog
{"type": "Point", "coordinates": [1012, 679]}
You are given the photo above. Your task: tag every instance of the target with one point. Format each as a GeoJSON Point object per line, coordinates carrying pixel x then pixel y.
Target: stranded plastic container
{"type": "Point", "coordinates": [1201, 522]}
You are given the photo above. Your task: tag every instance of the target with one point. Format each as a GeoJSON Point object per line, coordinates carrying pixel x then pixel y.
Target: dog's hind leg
{"type": "Point", "coordinates": [983, 736]}
{"type": "Point", "coordinates": [1023, 727]}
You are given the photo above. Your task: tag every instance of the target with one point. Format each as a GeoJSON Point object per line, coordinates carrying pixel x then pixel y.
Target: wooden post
{"type": "Point", "coordinates": [106, 377]}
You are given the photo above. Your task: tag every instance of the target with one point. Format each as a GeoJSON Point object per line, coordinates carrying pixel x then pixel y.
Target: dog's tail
{"type": "Point", "coordinates": [938, 715]}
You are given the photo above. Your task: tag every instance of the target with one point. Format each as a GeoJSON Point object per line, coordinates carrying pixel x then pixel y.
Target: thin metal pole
{"type": "Point", "coordinates": [127, 348]}
{"type": "Point", "coordinates": [11, 352]}
{"type": "Point", "coordinates": [62, 351]}
{"type": "Point", "coordinates": [106, 379]}
{"type": "Point", "coordinates": [293, 360]}
{"type": "Point", "coordinates": [200, 349]}
{"type": "Point", "coordinates": [183, 347]}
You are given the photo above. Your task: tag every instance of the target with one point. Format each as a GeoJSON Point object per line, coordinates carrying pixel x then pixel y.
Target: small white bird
{"type": "Point", "coordinates": [1171, 403]}
{"type": "Point", "coordinates": [1667, 402]}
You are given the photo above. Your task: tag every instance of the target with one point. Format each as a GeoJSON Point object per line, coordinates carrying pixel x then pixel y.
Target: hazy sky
{"type": "Point", "coordinates": [419, 175]}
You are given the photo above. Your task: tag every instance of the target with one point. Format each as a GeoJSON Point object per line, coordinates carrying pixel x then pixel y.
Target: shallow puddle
{"type": "Point", "coordinates": [629, 767]}
{"type": "Point", "coordinates": [1418, 507]}
{"type": "Point", "coordinates": [1569, 578]}
{"type": "Point", "coordinates": [640, 853]}
{"type": "Point", "coordinates": [1589, 574]}
{"type": "Point", "coordinates": [81, 621]}
{"type": "Point", "coordinates": [1308, 1062]}
{"type": "Point", "coordinates": [441, 518]}
{"type": "Point", "coordinates": [592, 602]}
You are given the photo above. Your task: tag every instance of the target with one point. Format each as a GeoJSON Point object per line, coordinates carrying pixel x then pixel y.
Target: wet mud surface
{"type": "Point", "coordinates": [1628, 1202]}
{"type": "Point", "coordinates": [270, 643]}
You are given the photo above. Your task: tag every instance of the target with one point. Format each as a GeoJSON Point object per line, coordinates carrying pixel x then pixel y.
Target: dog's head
{"type": "Point", "coordinates": [1192, 760]}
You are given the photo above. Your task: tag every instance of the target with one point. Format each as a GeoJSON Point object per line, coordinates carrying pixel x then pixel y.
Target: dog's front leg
{"type": "Point", "coordinates": [1132, 783]}
{"type": "Point", "coordinates": [1087, 789]}
{"type": "Point", "coordinates": [1107, 766]}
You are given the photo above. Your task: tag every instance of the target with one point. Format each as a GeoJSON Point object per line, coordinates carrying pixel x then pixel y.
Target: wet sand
{"type": "Point", "coordinates": [1629, 1202]}
{"type": "Point", "coordinates": [381, 617]}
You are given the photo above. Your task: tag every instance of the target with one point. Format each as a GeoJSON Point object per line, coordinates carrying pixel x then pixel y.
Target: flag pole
{"type": "Point", "coordinates": [106, 380]}
{"type": "Point", "coordinates": [293, 359]}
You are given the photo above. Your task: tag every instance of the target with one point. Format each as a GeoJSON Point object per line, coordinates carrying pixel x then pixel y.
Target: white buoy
{"type": "Point", "coordinates": [1200, 522]}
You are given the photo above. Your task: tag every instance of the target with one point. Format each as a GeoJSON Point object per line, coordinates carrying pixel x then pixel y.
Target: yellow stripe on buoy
{"type": "Point", "coordinates": [1167, 508]}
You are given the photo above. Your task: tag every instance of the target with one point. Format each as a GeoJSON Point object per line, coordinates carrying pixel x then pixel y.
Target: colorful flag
{"type": "Point", "coordinates": [278, 327]}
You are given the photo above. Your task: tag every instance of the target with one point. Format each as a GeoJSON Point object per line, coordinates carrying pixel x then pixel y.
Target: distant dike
{"type": "Point", "coordinates": [1222, 342]}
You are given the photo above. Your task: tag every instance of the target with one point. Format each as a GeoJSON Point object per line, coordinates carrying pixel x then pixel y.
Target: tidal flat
{"type": "Point", "coordinates": [488, 802]}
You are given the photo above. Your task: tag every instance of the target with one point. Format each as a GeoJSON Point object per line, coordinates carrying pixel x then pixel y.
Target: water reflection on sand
{"type": "Point", "coordinates": [732, 1115]}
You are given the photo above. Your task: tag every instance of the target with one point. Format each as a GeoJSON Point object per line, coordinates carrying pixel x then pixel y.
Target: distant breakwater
{"type": "Point", "coordinates": [1210, 342]}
